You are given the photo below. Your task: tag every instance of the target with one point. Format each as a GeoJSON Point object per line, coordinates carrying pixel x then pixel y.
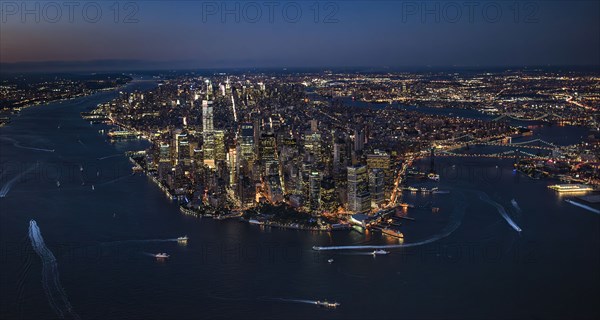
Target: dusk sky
{"type": "Point", "coordinates": [357, 33]}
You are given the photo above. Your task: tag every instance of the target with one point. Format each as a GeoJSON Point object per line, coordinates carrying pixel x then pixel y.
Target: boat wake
{"type": "Point", "coordinates": [50, 279]}
{"type": "Point", "coordinates": [4, 191]}
{"type": "Point", "coordinates": [581, 205]}
{"type": "Point", "coordinates": [516, 205]}
{"type": "Point", "coordinates": [357, 253]}
{"type": "Point", "coordinates": [294, 300]}
{"type": "Point", "coordinates": [456, 219]}
{"type": "Point", "coordinates": [16, 144]}
{"type": "Point", "coordinates": [108, 157]}
{"type": "Point", "coordinates": [139, 241]}
{"type": "Point", "coordinates": [484, 197]}
{"type": "Point", "coordinates": [114, 180]}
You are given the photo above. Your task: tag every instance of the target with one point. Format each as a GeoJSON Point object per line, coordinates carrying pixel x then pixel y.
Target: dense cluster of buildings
{"type": "Point", "coordinates": [233, 142]}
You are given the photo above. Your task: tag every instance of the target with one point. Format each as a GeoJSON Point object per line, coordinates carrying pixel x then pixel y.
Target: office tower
{"type": "Point", "coordinates": [207, 116]}
{"type": "Point", "coordinates": [314, 191]}
{"type": "Point", "coordinates": [214, 148]}
{"type": "Point", "coordinates": [376, 187]}
{"type": "Point", "coordinates": [183, 149]}
{"type": "Point", "coordinates": [267, 153]}
{"type": "Point", "coordinates": [358, 189]}
{"type": "Point", "coordinates": [379, 159]}
{"type": "Point", "coordinates": [359, 139]}
{"type": "Point", "coordinates": [246, 142]}
{"type": "Point", "coordinates": [312, 145]}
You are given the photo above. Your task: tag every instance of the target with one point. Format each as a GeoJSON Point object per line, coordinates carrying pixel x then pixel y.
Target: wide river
{"type": "Point", "coordinates": [100, 224]}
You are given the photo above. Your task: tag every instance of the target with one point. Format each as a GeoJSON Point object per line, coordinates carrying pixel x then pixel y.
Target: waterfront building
{"type": "Point", "coordinates": [376, 187]}
{"type": "Point", "coordinates": [358, 189]}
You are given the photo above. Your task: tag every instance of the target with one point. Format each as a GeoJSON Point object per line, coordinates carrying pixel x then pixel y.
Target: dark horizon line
{"type": "Point", "coordinates": [134, 65]}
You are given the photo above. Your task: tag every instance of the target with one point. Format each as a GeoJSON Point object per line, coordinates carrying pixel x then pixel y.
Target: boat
{"type": "Point", "coordinates": [393, 233]}
{"type": "Point", "coordinates": [57, 183]}
{"type": "Point", "coordinates": [434, 177]}
{"type": "Point", "coordinates": [327, 304]}
{"type": "Point", "coordinates": [161, 256]}
{"type": "Point", "coordinates": [182, 240]}
{"type": "Point", "coordinates": [441, 192]}
{"type": "Point", "coordinates": [330, 260]}
{"type": "Point", "coordinates": [412, 189]}
{"type": "Point", "coordinates": [566, 188]}
{"type": "Point", "coordinates": [380, 252]}
{"type": "Point", "coordinates": [93, 188]}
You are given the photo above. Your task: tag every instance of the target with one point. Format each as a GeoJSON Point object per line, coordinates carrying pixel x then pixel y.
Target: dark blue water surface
{"type": "Point", "coordinates": [471, 264]}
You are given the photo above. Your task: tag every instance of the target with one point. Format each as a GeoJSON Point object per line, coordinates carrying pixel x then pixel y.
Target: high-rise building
{"type": "Point", "coordinates": [267, 154]}
{"type": "Point", "coordinates": [246, 142]}
{"type": "Point", "coordinates": [358, 189]}
{"type": "Point", "coordinates": [379, 159]}
{"type": "Point", "coordinates": [207, 116]}
{"type": "Point", "coordinates": [314, 191]}
{"type": "Point", "coordinates": [183, 149]}
{"type": "Point", "coordinates": [214, 148]}
{"type": "Point", "coordinates": [359, 139]}
{"type": "Point", "coordinates": [376, 187]}
{"type": "Point", "coordinates": [312, 145]}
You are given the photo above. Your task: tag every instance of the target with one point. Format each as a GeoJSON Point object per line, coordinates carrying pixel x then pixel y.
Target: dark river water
{"type": "Point", "coordinates": [465, 261]}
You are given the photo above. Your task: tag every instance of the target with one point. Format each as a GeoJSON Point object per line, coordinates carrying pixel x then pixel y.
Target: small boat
{"type": "Point", "coordinates": [182, 240]}
{"type": "Point", "coordinates": [161, 256]}
{"type": "Point", "coordinates": [380, 252]}
{"type": "Point", "coordinates": [327, 304]}
{"type": "Point", "coordinates": [330, 260]}
{"type": "Point", "coordinates": [57, 183]}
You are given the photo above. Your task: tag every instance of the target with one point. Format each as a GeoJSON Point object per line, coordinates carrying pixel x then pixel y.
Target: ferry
{"type": "Point", "coordinates": [434, 177]}
{"type": "Point", "coordinates": [380, 252]}
{"type": "Point", "coordinates": [566, 188]}
{"type": "Point", "coordinates": [161, 256]}
{"type": "Point", "coordinates": [182, 240]}
{"type": "Point", "coordinates": [327, 304]}
{"type": "Point", "coordinates": [393, 233]}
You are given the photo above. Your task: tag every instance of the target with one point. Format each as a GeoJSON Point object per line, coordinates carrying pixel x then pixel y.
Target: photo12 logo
{"type": "Point", "coordinates": [469, 11]}
{"type": "Point", "coordinates": [270, 12]}
{"type": "Point", "coordinates": [68, 11]}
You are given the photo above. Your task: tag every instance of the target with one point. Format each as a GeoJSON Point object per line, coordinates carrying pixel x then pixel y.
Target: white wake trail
{"type": "Point", "coordinates": [4, 191]}
{"type": "Point", "coordinates": [55, 293]}
{"type": "Point", "coordinates": [16, 144]}
{"type": "Point", "coordinates": [457, 215]}
{"type": "Point", "coordinates": [484, 197]}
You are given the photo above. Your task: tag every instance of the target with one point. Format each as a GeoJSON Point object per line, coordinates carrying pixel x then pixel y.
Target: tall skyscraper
{"type": "Point", "coordinates": [358, 189]}
{"type": "Point", "coordinates": [207, 116]}
{"type": "Point", "coordinates": [314, 191]}
{"type": "Point", "coordinates": [376, 187]}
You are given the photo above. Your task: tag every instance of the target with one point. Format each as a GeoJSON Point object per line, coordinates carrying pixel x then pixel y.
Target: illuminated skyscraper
{"type": "Point", "coordinates": [376, 187]}
{"type": "Point", "coordinates": [207, 116]}
{"type": "Point", "coordinates": [314, 191]}
{"type": "Point", "coordinates": [358, 189]}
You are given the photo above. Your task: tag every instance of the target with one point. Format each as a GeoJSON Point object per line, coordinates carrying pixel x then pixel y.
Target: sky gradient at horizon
{"type": "Point", "coordinates": [305, 34]}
